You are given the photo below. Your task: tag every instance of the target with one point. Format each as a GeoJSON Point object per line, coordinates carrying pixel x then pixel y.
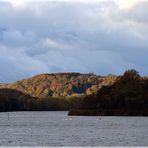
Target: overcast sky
{"type": "Point", "coordinates": [99, 36]}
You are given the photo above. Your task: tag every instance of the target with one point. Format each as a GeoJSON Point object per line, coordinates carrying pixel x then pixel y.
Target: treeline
{"type": "Point", "coordinates": [13, 100]}
{"type": "Point", "coordinates": [127, 96]}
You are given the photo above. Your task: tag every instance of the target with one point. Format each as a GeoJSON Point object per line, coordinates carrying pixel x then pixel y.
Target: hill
{"type": "Point", "coordinates": [82, 94]}
{"type": "Point", "coordinates": [61, 84]}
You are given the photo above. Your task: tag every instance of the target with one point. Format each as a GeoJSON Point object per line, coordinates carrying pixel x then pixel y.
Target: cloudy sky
{"type": "Point", "coordinates": [99, 36]}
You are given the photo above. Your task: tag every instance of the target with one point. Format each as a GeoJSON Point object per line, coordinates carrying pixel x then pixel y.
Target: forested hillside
{"type": "Point", "coordinates": [82, 94]}
{"type": "Point", "coordinates": [61, 84]}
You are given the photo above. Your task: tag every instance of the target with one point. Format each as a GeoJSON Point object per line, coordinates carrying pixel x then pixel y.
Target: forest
{"type": "Point", "coordinates": [128, 95]}
{"type": "Point", "coordinates": [14, 100]}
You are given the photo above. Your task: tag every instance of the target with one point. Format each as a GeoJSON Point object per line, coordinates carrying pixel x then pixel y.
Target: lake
{"type": "Point", "coordinates": [58, 129]}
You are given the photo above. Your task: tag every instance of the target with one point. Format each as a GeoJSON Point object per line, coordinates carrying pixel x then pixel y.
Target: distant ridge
{"type": "Point", "coordinates": [61, 84]}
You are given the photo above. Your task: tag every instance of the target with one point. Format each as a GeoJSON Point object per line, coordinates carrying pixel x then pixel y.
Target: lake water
{"type": "Point", "coordinates": [58, 129]}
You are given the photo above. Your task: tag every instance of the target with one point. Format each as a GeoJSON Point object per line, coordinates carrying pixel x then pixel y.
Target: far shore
{"type": "Point", "coordinates": [103, 112]}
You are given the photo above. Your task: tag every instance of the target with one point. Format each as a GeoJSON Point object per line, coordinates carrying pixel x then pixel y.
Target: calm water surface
{"type": "Point", "coordinates": [58, 129]}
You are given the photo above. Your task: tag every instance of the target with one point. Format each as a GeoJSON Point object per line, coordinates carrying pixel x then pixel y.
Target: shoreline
{"type": "Point", "coordinates": [105, 112]}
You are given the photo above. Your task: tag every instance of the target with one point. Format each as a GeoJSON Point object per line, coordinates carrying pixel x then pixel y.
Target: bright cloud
{"type": "Point", "coordinates": [127, 3]}
{"type": "Point", "coordinates": [121, 3]}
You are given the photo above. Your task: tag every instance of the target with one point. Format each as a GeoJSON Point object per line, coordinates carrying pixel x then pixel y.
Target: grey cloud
{"type": "Point", "coordinates": [15, 64]}
{"type": "Point", "coordinates": [15, 38]}
{"type": "Point", "coordinates": [62, 36]}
